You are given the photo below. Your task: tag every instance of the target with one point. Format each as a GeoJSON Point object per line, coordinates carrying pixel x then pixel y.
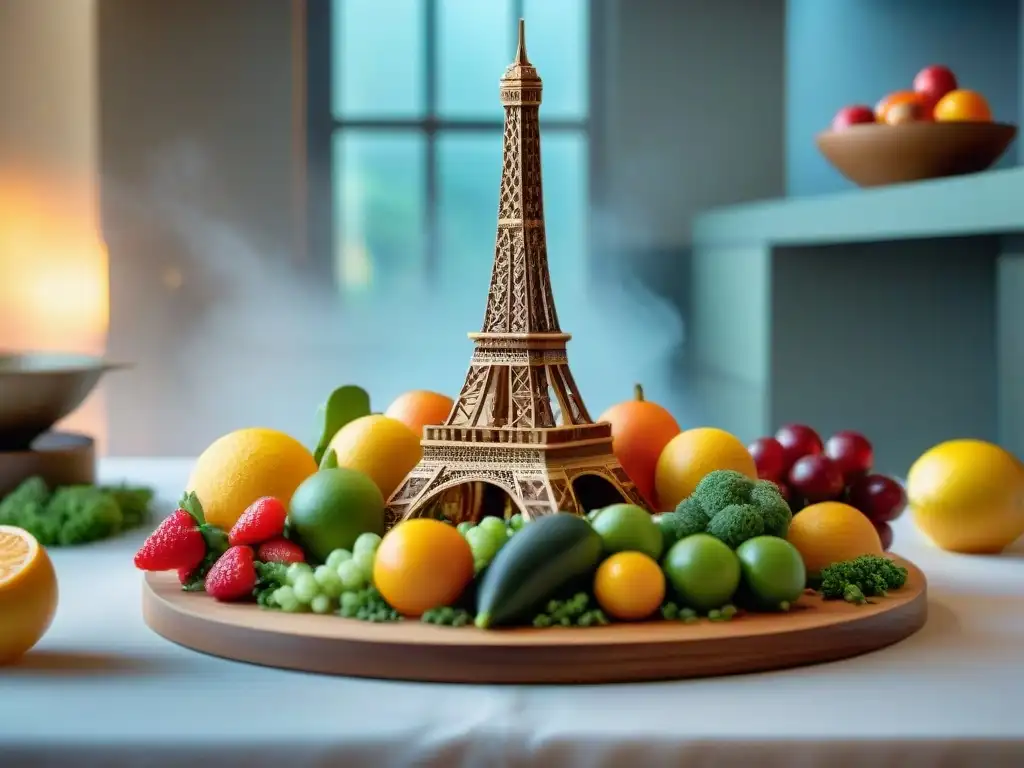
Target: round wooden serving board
{"type": "Point", "coordinates": [814, 631]}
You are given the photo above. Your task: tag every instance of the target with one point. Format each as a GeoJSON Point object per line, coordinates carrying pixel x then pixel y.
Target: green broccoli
{"type": "Point", "coordinates": [134, 503]}
{"type": "Point", "coordinates": [777, 515]}
{"type": "Point", "coordinates": [86, 514]}
{"type": "Point", "coordinates": [723, 488]}
{"type": "Point", "coordinates": [864, 576]}
{"type": "Point", "coordinates": [25, 507]}
{"type": "Point", "coordinates": [689, 518]}
{"type": "Point", "coordinates": [737, 523]}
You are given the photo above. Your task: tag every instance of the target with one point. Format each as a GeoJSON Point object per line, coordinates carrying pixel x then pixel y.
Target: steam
{"type": "Point", "coordinates": [243, 336]}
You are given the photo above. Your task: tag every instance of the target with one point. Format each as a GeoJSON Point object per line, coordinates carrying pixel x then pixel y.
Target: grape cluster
{"type": "Point", "coordinates": [577, 611]}
{"type": "Point", "coordinates": [672, 612]}
{"type": "Point", "coordinates": [448, 617]}
{"type": "Point", "coordinates": [343, 584]}
{"type": "Point", "coordinates": [488, 536]}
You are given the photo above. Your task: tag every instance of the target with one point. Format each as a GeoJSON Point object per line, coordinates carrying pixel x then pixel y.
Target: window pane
{"type": "Point", "coordinates": [379, 182]}
{"type": "Point", "coordinates": [469, 175]}
{"type": "Point", "coordinates": [377, 50]}
{"type": "Point", "coordinates": [474, 46]}
{"type": "Point", "coordinates": [557, 42]}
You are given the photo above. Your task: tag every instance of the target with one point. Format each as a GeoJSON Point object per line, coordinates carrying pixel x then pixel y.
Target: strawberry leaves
{"type": "Point", "coordinates": [345, 404]}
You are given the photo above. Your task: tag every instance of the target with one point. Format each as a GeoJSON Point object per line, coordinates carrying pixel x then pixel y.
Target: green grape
{"type": "Point", "coordinates": [542, 621]}
{"type": "Point", "coordinates": [329, 581]}
{"type": "Point", "coordinates": [728, 611]}
{"type": "Point", "coordinates": [714, 614]}
{"type": "Point", "coordinates": [365, 560]}
{"type": "Point", "coordinates": [463, 527]}
{"type": "Point", "coordinates": [320, 604]}
{"type": "Point", "coordinates": [337, 557]}
{"type": "Point", "coordinates": [669, 611]}
{"type": "Point", "coordinates": [494, 526]}
{"type": "Point", "coordinates": [352, 575]}
{"type": "Point", "coordinates": [483, 545]}
{"type": "Point", "coordinates": [461, 619]}
{"type": "Point", "coordinates": [305, 588]}
{"type": "Point", "coordinates": [367, 542]}
{"type": "Point", "coordinates": [516, 522]}
{"type": "Point", "coordinates": [295, 570]}
{"type": "Point", "coordinates": [686, 614]}
{"type": "Point", "coordinates": [285, 597]}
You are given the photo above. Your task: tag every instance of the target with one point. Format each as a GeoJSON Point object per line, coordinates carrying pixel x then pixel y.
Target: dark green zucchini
{"type": "Point", "coordinates": [545, 555]}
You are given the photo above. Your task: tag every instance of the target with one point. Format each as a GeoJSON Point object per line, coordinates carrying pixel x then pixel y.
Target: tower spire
{"type": "Point", "coordinates": [521, 47]}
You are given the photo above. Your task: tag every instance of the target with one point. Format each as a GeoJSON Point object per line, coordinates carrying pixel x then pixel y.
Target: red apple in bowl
{"type": "Point", "coordinates": [855, 114]}
{"type": "Point", "coordinates": [935, 82]}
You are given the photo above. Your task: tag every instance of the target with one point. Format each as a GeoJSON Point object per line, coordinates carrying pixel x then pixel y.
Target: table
{"type": "Point", "coordinates": [102, 690]}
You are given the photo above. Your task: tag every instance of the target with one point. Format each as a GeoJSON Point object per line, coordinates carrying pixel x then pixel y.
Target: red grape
{"type": "Point", "coordinates": [816, 478]}
{"type": "Point", "coordinates": [885, 534]}
{"type": "Point", "coordinates": [769, 457]}
{"type": "Point", "coordinates": [798, 441]}
{"type": "Point", "coordinates": [879, 497]}
{"type": "Point", "coordinates": [852, 452]}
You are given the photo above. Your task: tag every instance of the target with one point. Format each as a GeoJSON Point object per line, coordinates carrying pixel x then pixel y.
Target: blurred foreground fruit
{"type": "Point", "coordinates": [922, 102]}
{"type": "Point", "coordinates": [383, 448]}
{"type": "Point", "coordinates": [856, 114]}
{"type": "Point", "coordinates": [28, 593]}
{"type": "Point", "coordinates": [422, 564]}
{"type": "Point", "coordinates": [797, 441]}
{"type": "Point", "coordinates": [245, 465]}
{"type": "Point", "coordinates": [831, 532]}
{"type": "Point", "coordinates": [629, 586]}
{"type": "Point", "coordinates": [934, 82]}
{"type": "Point", "coordinates": [332, 508]}
{"type": "Point", "coordinates": [640, 431]}
{"type": "Point", "coordinates": [968, 496]}
{"type": "Point", "coordinates": [963, 106]}
{"type": "Point", "coordinates": [419, 408]}
{"type": "Point", "coordinates": [692, 454]}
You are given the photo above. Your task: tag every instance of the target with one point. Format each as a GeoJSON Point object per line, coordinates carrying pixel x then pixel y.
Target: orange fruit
{"type": "Point", "coordinates": [640, 431]}
{"type": "Point", "coordinates": [963, 106]}
{"type": "Point", "coordinates": [246, 465]}
{"type": "Point", "coordinates": [28, 593]}
{"type": "Point", "coordinates": [419, 408]}
{"type": "Point", "coordinates": [422, 564]}
{"type": "Point", "coordinates": [378, 446]}
{"type": "Point", "coordinates": [831, 532]}
{"type": "Point", "coordinates": [629, 586]}
{"type": "Point", "coordinates": [692, 454]}
{"type": "Point", "coordinates": [920, 100]}
{"type": "Point", "coordinates": [968, 496]}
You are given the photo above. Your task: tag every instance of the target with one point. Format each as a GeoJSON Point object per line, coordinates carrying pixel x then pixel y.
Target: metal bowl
{"type": "Point", "coordinates": [38, 389]}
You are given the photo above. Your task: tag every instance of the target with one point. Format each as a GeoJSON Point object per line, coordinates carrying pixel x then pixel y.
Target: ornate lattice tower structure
{"type": "Point", "coordinates": [519, 424]}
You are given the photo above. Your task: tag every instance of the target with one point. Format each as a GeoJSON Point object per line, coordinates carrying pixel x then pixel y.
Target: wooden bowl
{"type": "Point", "coordinates": [38, 389]}
{"type": "Point", "coordinates": [871, 155]}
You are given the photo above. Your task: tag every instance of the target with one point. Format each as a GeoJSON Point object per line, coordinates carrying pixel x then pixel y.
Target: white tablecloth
{"type": "Point", "coordinates": [103, 690]}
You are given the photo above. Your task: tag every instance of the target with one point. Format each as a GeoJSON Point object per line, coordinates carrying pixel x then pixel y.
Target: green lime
{"type": "Point", "coordinates": [332, 508]}
{"type": "Point", "coordinates": [704, 572]}
{"type": "Point", "coordinates": [773, 571]}
{"type": "Point", "coordinates": [628, 528]}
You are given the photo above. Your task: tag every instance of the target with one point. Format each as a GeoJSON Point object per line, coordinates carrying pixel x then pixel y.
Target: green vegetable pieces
{"type": "Point", "coordinates": [74, 514]}
{"type": "Point", "coordinates": [731, 507]}
{"type": "Point", "coordinates": [862, 577]}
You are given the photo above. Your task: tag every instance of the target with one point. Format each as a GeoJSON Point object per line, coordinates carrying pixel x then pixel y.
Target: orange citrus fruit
{"type": "Point", "coordinates": [419, 409]}
{"type": "Point", "coordinates": [422, 564]}
{"type": "Point", "coordinates": [629, 586]}
{"type": "Point", "coordinates": [831, 532]}
{"type": "Point", "coordinates": [968, 496]}
{"type": "Point", "coordinates": [246, 465]}
{"type": "Point", "coordinates": [28, 593]}
{"type": "Point", "coordinates": [922, 102]}
{"type": "Point", "coordinates": [378, 446]}
{"type": "Point", "coordinates": [692, 454]}
{"type": "Point", "coordinates": [963, 106]}
{"type": "Point", "coordinates": [640, 431]}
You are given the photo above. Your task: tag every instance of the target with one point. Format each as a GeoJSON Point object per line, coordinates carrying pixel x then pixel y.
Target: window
{"type": "Point", "coordinates": [404, 111]}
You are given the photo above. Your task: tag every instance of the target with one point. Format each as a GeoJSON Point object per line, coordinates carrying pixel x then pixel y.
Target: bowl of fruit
{"type": "Point", "coordinates": [809, 470]}
{"type": "Point", "coordinates": [933, 130]}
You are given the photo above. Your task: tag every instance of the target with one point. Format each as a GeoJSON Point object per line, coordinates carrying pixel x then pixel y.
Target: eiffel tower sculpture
{"type": "Point", "coordinates": [503, 435]}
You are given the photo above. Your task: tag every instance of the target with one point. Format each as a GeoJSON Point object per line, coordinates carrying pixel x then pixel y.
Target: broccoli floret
{"type": "Point", "coordinates": [870, 575]}
{"type": "Point", "coordinates": [736, 523]}
{"type": "Point", "coordinates": [774, 509]}
{"type": "Point", "coordinates": [86, 514]}
{"type": "Point", "coordinates": [689, 518]}
{"type": "Point", "coordinates": [723, 488]}
{"type": "Point", "coordinates": [134, 503]}
{"type": "Point", "coordinates": [25, 507]}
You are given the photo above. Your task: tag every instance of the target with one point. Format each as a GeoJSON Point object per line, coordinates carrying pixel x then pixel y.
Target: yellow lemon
{"type": "Point", "coordinates": [629, 586]}
{"type": "Point", "coordinates": [28, 593]}
{"type": "Point", "coordinates": [383, 448]}
{"type": "Point", "coordinates": [244, 465]}
{"type": "Point", "coordinates": [692, 454]}
{"type": "Point", "coordinates": [831, 532]}
{"type": "Point", "coordinates": [968, 496]}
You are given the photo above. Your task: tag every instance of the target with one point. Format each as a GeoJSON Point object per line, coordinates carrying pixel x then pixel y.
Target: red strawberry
{"type": "Point", "coordinates": [262, 520]}
{"type": "Point", "coordinates": [176, 543]}
{"type": "Point", "coordinates": [184, 574]}
{"type": "Point", "coordinates": [233, 576]}
{"type": "Point", "coordinates": [280, 550]}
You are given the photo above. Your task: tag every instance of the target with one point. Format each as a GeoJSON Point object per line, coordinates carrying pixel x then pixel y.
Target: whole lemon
{"type": "Point", "coordinates": [832, 532]}
{"type": "Point", "coordinates": [378, 446]}
{"type": "Point", "coordinates": [968, 496]}
{"type": "Point", "coordinates": [28, 593]}
{"type": "Point", "coordinates": [244, 465]}
{"type": "Point", "coordinates": [692, 454]}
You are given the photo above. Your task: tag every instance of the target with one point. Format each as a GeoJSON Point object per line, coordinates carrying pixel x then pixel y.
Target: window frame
{"type": "Point", "coordinates": [322, 124]}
